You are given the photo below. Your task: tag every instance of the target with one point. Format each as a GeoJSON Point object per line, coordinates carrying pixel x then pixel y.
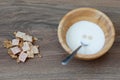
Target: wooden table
{"type": "Point", "coordinates": [40, 18]}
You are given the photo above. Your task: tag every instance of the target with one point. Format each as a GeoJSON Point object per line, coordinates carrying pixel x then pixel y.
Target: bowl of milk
{"type": "Point", "coordinates": [89, 26]}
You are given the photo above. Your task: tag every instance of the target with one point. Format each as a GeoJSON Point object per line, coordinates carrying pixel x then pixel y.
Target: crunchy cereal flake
{"type": "Point", "coordinates": [23, 56]}
{"type": "Point", "coordinates": [15, 42]}
{"type": "Point", "coordinates": [27, 38]}
{"type": "Point", "coordinates": [26, 46]}
{"type": "Point", "coordinates": [7, 44]}
{"type": "Point", "coordinates": [35, 49]}
{"type": "Point", "coordinates": [30, 54]}
{"type": "Point", "coordinates": [19, 34]}
{"type": "Point", "coordinates": [15, 50]}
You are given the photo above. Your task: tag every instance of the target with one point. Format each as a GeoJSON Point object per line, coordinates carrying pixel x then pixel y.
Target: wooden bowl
{"type": "Point", "coordinates": [92, 15]}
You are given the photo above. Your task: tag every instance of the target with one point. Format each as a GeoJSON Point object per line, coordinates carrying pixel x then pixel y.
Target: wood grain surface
{"type": "Point", "coordinates": [41, 18]}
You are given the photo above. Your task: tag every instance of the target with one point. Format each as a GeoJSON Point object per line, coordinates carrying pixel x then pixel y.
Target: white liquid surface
{"type": "Point", "coordinates": [88, 33]}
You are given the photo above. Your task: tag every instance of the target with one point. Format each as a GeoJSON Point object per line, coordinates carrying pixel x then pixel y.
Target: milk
{"type": "Point", "coordinates": [88, 33]}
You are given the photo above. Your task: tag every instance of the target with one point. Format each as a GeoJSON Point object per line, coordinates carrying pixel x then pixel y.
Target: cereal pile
{"type": "Point", "coordinates": [22, 47]}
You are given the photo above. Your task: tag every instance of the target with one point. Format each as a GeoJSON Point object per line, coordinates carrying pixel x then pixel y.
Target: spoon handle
{"type": "Point", "coordinates": [69, 57]}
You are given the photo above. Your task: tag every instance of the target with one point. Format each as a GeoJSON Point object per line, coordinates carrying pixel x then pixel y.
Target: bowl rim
{"type": "Point", "coordinates": [85, 56]}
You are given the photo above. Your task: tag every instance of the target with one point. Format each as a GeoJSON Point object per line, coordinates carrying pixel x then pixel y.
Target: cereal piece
{"type": "Point", "coordinates": [11, 54]}
{"type": "Point", "coordinates": [14, 56]}
{"type": "Point", "coordinates": [35, 49]}
{"type": "Point", "coordinates": [23, 56]}
{"type": "Point", "coordinates": [30, 44]}
{"type": "Point", "coordinates": [27, 38]}
{"type": "Point", "coordinates": [15, 50]}
{"type": "Point", "coordinates": [15, 42]}
{"type": "Point", "coordinates": [26, 46]}
{"type": "Point", "coordinates": [20, 34]}
{"type": "Point", "coordinates": [7, 44]}
{"type": "Point", "coordinates": [39, 55]}
{"type": "Point", "coordinates": [18, 61]}
{"type": "Point", "coordinates": [35, 39]}
{"type": "Point", "coordinates": [30, 54]}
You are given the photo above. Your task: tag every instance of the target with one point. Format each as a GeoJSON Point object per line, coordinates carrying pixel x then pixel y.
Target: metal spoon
{"type": "Point", "coordinates": [69, 57]}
